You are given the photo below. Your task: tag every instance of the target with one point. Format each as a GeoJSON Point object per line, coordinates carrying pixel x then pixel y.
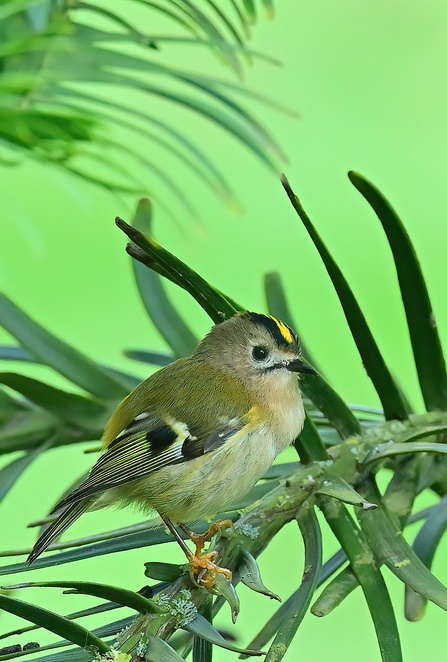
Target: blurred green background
{"type": "Point", "coordinates": [368, 81]}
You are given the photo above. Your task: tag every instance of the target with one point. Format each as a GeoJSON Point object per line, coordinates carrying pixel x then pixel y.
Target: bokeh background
{"type": "Point", "coordinates": [368, 82]}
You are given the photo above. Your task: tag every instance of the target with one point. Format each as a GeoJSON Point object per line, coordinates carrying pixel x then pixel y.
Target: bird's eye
{"type": "Point", "coordinates": [259, 353]}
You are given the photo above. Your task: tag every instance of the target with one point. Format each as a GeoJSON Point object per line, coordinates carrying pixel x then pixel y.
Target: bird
{"type": "Point", "coordinates": [197, 434]}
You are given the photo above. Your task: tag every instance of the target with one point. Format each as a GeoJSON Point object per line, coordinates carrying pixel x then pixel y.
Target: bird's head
{"type": "Point", "coordinates": [253, 346]}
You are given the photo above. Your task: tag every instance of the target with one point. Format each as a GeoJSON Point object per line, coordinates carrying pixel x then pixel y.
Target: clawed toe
{"type": "Point", "coordinates": [203, 570]}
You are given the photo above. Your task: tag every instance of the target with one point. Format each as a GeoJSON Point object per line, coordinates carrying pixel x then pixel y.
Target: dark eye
{"type": "Point", "coordinates": [259, 353]}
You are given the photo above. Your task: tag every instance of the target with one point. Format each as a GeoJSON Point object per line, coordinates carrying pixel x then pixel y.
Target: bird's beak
{"type": "Point", "coordinates": [299, 366]}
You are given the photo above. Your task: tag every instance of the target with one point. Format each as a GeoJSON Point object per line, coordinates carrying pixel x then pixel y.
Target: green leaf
{"type": "Point", "coordinates": [281, 470]}
{"type": "Point", "coordinates": [12, 471]}
{"type": "Point", "coordinates": [98, 609]}
{"type": "Point", "coordinates": [243, 19]}
{"type": "Point", "coordinates": [392, 402]}
{"type": "Point", "coordinates": [425, 545]}
{"type": "Point", "coordinates": [165, 572]}
{"type": "Point", "coordinates": [28, 429]}
{"type": "Point", "coordinates": [61, 357]}
{"type": "Point", "coordinates": [202, 650]}
{"type": "Point", "coordinates": [391, 549]}
{"type": "Point", "coordinates": [336, 487]}
{"type": "Point", "coordinates": [130, 541]}
{"type": "Point", "coordinates": [332, 565]}
{"type": "Point", "coordinates": [345, 582]}
{"type": "Point", "coordinates": [335, 592]}
{"type": "Point", "coordinates": [390, 449]}
{"type": "Point", "coordinates": [144, 538]}
{"type": "Point", "coordinates": [210, 168]}
{"type": "Point", "coordinates": [309, 444]}
{"type": "Point", "coordinates": [51, 621]}
{"type": "Point", "coordinates": [231, 27]}
{"type": "Point", "coordinates": [70, 407]}
{"type": "Point", "coordinates": [223, 587]}
{"type": "Point", "coordinates": [313, 551]}
{"type": "Point", "coordinates": [268, 6]}
{"type": "Point", "coordinates": [122, 596]}
{"type": "Point", "coordinates": [212, 301]}
{"type": "Point", "coordinates": [250, 575]}
{"type": "Point", "coordinates": [250, 9]}
{"type": "Point", "coordinates": [164, 316]}
{"type": "Point", "coordinates": [368, 575]}
{"type": "Point", "coordinates": [200, 627]}
{"type": "Point", "coordinates": [272, 626]}
{"type": "Point", "coordinates": [200, 18]}
{"type": "Point", "coordinates": [141, 256]}
{"type": "Point", "coordinates": [70, 655]}
{"type": "Point", "coordinates": [144, 356]}
{"type": "Point", "coordinates": [11, 353]}
{"type": "Point", "coordinates": [317, 389]}
{"type": "Point", "coordinates": [158, 650]}
{"type": "Point", "coordinates": [427, 350]}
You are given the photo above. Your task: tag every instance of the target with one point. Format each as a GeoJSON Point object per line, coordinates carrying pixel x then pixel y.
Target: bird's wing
{"type": "Point", "coordinates": [148, 444]}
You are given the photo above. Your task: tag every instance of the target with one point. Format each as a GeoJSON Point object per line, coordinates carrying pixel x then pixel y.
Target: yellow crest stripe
{"type": "Point", "coordinates": [283, 329]}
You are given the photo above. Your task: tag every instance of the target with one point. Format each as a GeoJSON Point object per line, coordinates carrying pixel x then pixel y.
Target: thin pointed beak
{"type": "Point", "coordinates": [299, 366]}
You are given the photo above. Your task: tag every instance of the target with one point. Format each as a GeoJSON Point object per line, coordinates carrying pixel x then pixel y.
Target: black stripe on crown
{"type": "Point", "coordinates": [283, 335]}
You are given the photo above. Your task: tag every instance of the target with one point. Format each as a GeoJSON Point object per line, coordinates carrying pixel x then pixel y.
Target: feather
{"type": "Point", "coordinates": [54, 530]}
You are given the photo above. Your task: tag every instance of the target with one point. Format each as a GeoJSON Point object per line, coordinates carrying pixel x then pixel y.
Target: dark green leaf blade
{"type": "Point", "coordinates": [70, 407]}
{"type": "Point", "coordinates": [51, 621]}
{"type": "Point", "coordinates": [122, 596]}
{"type": "Point", "coordinates": [393, 550]}
{"type": "Point", "coordinates": [12, 471]}
{"type": "Point", "coordinates": [338, 488]}
{"type": "Point", "coordinates": [309, 444]}
{"type": "Point", "coordinates": [145, 356]}
{"type": "Point", "coordinates": [250, 575]}
{"type": "Point", "coordinates": [11, 353]}
{"type": "Point", "coordinates": [165, 572]}
{"type": "Point", "coordinates": [120, 543]}
{"type": "Point", "coordinates": [70, 655]}
{"type": "Point", "coordinates": [393, 403]}
{"type": "Point", "coordinates": [335, 592]}
{"type": "Point", "coordinates": [427, 350]}
{"type": "Point", "coordinates": [425, 545]}
{"type": "Point", "coordinates": [202, 650]}
{"type": "Point", "coordinates": [61, 357]}
{"type": "Point", "coordinates": [164, 316]}
{"type": "Point", "coordinates": [334, 408]}
{"type": "Point", "coordinates": [158, 650]}
{"type": "Point", "coordinates": [200, 627]}
{"type": "Point", "coordinates": [368, 576]}
{"type": "Point", "coordinates": [250, 9]}
{"type": "Point", "coordinates": [210, 299]}
{"type": "Point", "coordinates": [313, 550]}
{"type": "Point", "coordinates": [405, 448]}
{"type": "Point", "coordinates": [27, 430]}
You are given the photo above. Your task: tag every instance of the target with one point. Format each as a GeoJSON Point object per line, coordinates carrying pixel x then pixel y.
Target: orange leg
{"type": "Point", "coordinates": [200, 539]}
{"type": "Point", "coordinates": [203, 567]}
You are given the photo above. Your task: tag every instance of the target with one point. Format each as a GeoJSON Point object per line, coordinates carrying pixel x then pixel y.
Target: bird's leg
{"type": "Point", "coordinates": [202, 566]}
{"type": "Point", "coordinates": [199, 540]}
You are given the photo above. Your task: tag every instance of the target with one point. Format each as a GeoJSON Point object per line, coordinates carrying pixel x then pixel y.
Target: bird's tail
{"type": "Point", "coordinates": [56, 528]}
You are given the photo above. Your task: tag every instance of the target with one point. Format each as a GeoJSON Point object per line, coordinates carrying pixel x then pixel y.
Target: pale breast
{"type": "Point", "coordinates": [201, 487]}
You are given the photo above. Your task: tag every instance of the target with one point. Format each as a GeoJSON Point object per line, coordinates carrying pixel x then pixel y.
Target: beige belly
{"type": "Point", "coordinates": [201, 487]}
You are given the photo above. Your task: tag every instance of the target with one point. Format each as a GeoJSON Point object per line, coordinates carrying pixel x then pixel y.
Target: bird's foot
{"type": "Point", "coordinates": [216, 527]}
{"type": "Point", "coordinates": [203, 569]}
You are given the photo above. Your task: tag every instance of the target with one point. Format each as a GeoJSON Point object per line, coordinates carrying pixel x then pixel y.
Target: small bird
{"type": "Point", "coordinates": [197, 434]}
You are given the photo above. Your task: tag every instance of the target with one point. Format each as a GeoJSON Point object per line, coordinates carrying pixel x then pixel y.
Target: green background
{"type": "Point", "coordinates": [368, 80]}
